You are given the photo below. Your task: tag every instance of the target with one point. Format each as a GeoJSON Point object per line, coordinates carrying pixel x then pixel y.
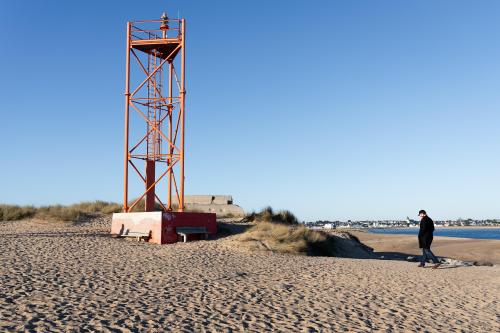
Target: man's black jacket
{"type": "Point", "coordinates": [425, 233]}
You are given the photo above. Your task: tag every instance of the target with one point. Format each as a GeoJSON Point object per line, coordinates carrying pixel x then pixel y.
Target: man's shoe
{"type": "Point", "coordinates": [420, 265]}
{"type": "Point", "coordinates": [436, 265]}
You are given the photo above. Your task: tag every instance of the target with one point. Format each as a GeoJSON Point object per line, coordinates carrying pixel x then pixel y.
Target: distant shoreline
{"type": "Point", "coordinates": [468, 249]}
{"type": "Point", "coordinates": [472, 227]}
{"type": "Point", "coordinates": [457, 232]}
{"type": "Point", "coordinates": [437, 227]}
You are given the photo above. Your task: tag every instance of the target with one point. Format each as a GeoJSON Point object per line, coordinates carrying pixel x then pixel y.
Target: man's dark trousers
{"type": "Point", "coordinates": [427, 254]}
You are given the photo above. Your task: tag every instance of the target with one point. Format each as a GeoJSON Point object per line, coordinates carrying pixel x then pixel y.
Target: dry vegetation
{"type": "Point", "coordinates": [292, 239]}
{"type": "Point", "coordinates": [73, 212]}
{"type": "Point", "coordinates": [268, 215]}
{"type": "Point", "coordinates": [281, 232]}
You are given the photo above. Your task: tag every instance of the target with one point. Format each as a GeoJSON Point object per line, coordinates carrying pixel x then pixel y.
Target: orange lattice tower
{"type": "Point", "coordinates": [155, 91]}
{"type": "Point", "coordinates": [159, 98]}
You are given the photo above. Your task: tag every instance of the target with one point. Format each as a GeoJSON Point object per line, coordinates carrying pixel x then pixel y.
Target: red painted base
{"type": "Point", "coordinates": [163, 225]}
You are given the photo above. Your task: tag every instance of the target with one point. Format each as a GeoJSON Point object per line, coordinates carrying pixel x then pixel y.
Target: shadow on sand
{"type": "Point", "coordinates": [229, 229]}
{"type": "Point", "coordinates": [447, 263]}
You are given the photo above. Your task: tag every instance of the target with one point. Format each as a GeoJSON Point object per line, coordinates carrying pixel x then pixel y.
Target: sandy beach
{"type": "Point", "coordinates": [63, 277]}
{"type": "Point", "coordinates": [467, 249]}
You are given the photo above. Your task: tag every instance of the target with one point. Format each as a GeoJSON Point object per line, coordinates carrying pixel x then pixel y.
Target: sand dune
{"type": "Point", "coordinates": [58, 277]}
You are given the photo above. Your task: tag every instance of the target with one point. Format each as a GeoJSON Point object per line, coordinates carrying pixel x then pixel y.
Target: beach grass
{"type": "Point", "coordinates": [267, 214]}
{"type": "Point", "coordinates": [291, 239]}
{"type": "Point", "coordinates": [58, 212]}
{"type": "Point", "coordinates": [72, 212]}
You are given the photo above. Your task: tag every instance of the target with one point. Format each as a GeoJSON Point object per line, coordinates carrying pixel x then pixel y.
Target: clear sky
{"type": "Point", "coordinates": [332, 109]}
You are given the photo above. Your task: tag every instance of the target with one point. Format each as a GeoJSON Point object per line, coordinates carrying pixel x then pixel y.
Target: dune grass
{"type": "Point", "coordinates": [73, 212]}
{"type": "Point", "coordinates": [14, 212]}
{"type": "Point", "coordinates": [268, 215]}
{"type": "Point", "coordinates": [292, 239]}
{"type": "Point", "coordinates": [281, 232]}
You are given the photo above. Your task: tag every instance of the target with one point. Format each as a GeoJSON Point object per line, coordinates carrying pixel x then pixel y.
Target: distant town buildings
{"type": "Point", "coordinates": [407, 223]}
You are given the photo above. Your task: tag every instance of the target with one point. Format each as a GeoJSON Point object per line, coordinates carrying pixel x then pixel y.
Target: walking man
{"type": "Point", "coordinates": [425, 236]}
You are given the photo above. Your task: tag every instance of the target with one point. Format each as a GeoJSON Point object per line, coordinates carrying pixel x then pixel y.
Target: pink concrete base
{"type": "Point", "coordinates": [162, 225]}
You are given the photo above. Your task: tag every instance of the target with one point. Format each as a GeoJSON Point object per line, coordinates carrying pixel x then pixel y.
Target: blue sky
{"type": "Point", "coordinates": [332, 109]}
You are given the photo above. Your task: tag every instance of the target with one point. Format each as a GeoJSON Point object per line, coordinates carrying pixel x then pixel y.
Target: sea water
{"type": "Point", "coordinates": [478, 233]}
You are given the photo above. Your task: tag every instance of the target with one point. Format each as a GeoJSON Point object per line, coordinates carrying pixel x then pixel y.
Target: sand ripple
{"type": "Point", "coordinates": [57, 277]}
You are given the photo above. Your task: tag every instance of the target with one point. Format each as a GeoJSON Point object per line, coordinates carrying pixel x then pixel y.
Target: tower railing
{"type": "Point", "coordinates": [145, 30]}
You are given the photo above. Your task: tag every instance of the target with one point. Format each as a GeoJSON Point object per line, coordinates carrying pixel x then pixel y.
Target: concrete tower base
{"type": "Point", "coordinates": [163, 226]}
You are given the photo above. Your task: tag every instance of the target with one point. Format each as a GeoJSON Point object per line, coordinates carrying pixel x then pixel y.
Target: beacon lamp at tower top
{"type": "Point", "coordinates": [164, 22]}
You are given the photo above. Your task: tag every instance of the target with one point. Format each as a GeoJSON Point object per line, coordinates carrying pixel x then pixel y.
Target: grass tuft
{"type": "Point", "coordinates": [292, 239]}
{"type": "Point", "coordinates": [73, 212]}
{"type": "Point", "coordinates": [13, 212]}
{"type": "Point", "coordinates": [267, 214]}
